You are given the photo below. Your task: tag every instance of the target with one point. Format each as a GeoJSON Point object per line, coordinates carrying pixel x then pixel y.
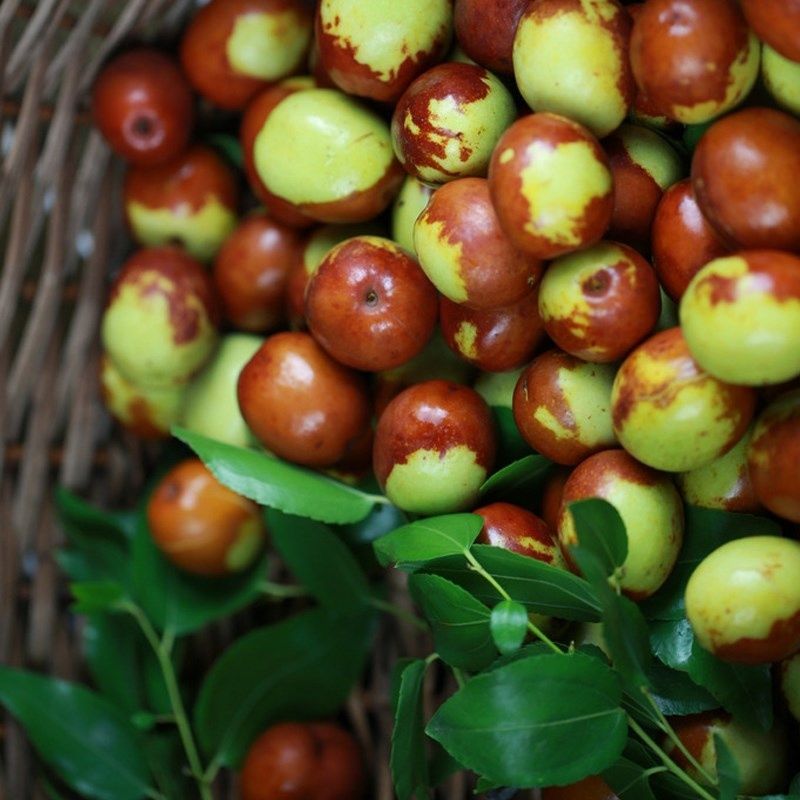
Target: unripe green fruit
{"type": "Point", "coordinates": [782, 79]}
{"type": "Point", "coordinates": [408, 205]}
{"type": "Point", "coordinates": [743, 600]}
{"type": "Point", "coordinates": [211, 406]}
{"type": "Point", "coordinates": [497, 388]}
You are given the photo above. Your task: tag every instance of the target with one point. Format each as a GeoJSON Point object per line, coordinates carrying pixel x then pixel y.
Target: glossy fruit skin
{"type": "Point", "coordinates": [447, 122]}
{"type": "Point", "coordinates": [370, 305]}
{"type": "Point", "coordinates": [191, 200]}
{"type": "Point", "coordinates": [304, 761]}
{"type": "Point", "coordinates": [693, 59]}
{"type": "Point", "coordinates": [683, 241]}
{"type": "Point", "coordinates": [147, 412]}
{"type": "Point", "coordinates": [599, 303]}
{"type": "Point", "coordinates": [774, 454]}
{"type": "Point", "coordinates": [251, 270]}
{"type": "Point", "coordinates": [143, 106]}
{"type": "Point", "coordinates": [232, 49]}
{"type": "Point", "coordinates": [434, 447]}
{"type": "Point", "coordinates": [592, 788]}
{"type": "Point", "coordinates": [376, 49]}
{"type": "Point", "coordinates": [210, 407]}
{"type": "Point", "coordinates": [410, 202]}
{"type": "Point", "coordinates": [670, 414]}
{"type": "Point", "coordinates": [513, 528]}
{"type": "Point", "coordinates": [495, 340]}
{"type": "Point", "coordinates": [741, 317]}
{"type": "Point", "coordinates": [748, 200]}
{"type": "Point", "coordinates": [644, 165]}
{"type": "Point", "coordinates": [485, 30]}
{"type": "Point", "coordinates": [650, 507]}
{"type": "Point", "coordinates": [562, 407]}
{"type": "Point", "coordinates": [202, 526]}
{"type": "Point", "coordinates": [724, 483]}
{"type": "Point", "coordinates": [300, 403]}
{"type": "Point", "coordinates": [781, 77]}
{"type": "Point", "coordinates": [776, 22]}
{"type": "Point", "coordinates": [160, 321]}
{"type": "Point", "coordinates": [594, 86]}
{"type": "Point", "coordinates": [743, 600]}
{"type": "Point", "coordinates": [760, 756]}
{"type": "Point", "coordinates": [466, 254]}
{"type": "Point", "coordinates": [256, 113]}
{"type": "Point", "coordinates": [328, 156]}
{"type": "Point", "coordinates": [551, 185]}
{"type": "Point", "coordinates": [553, 495]}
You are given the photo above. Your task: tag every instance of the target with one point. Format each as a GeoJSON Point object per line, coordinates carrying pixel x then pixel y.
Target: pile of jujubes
{"type": "Point", "coordinates": [584, 212]}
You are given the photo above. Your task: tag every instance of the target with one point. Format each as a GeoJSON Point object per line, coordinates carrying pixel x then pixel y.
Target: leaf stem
{"type": "Point", "coordinates": [675, 739]}
{"type": "Point", "coordinates": [162, 649]}
{"type": "Point", "coordinates": [400, 613]}
{"type": "Point", "coordinates": [475, 565]}
{"type": "Point", "coordinates": [280, 591]}
{"type": "Point", "coordinates": [459, 676]}
{"type": "Point", "coordinates": [668, 762]}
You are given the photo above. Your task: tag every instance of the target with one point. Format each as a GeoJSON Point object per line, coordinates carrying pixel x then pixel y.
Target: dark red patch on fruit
{"type": "Point", "coordinates": [682, 239]}
{"type": "Point", "coordinates": [485, 30]}
{"type": "Point", "coordinates": [434, 415]}
{"type": "Point", "coordinates": [505, 338]}
{"type": "Point", "coordinates": [782, 641]}
{"type": "Point", "coordinates": [776, 22]}
{"type": "Point", "coordinates": [494, 272]}
{"type": "Point", "coordinates": [370, 305]}
{"type": "Point", "coordinates": [552, 495]}
{"type": "Point", "coordinates": [592, 788]}
{"type": "Point", "coordinates": [515, 529]}
{"type": "Point", "coordinates": [463, 84]}
{"type": "Point", "coordinates": [695, 731]}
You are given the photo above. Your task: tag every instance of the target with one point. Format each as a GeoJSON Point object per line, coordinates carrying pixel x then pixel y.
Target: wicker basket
{"type": "Point", "coordinates": [61, 239]}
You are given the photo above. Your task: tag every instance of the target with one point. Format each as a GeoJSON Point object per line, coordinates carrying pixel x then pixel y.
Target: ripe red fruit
{"type": "Point", "coordinates": [303, 761]}
{"type": "Point", "coordinates": [485, 30]}
{"type": "Point", "coordinates": [593, 788]}
{"type": "Point", "coordinates": [370, 305]}
{"type": "Point", "coordinates": [234, 48]}
{"type": "Point", "coordinates": [751, 200]}
{"type": "Point", "coordinates": [201, 525]}
{"type": "Point", "coordinates": [777, 23]}
{"type": "Point", "coordinates": [682, 239]}
{"type": "Point", "coordinates": [143, 106]}
{"type": "Point", "coordinates": [300, 403]}
{"type": "Point", "coordinates": [251, 272]}
{"type": "Point", "coordinates": [513, 528]}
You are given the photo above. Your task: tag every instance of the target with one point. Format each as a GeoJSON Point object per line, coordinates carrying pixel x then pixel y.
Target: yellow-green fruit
{"type": "Point", "coordinates": [669, 413]}
{"type": "Point", "coordinates": [497, 388]}
{"type": "Point", "coordinates": [760, 756]}
{"type": "Point", "coordinates": [650, 508]}
{"type": "Point", "coordinates": [743, 600]}
{"type": "Point", "coordinates": [328, 155]}
{"type": "Point", "coordinates": [741, 317]}
{"type": "Point", "coordinates": [408, 205]}
{"type": "Point", "coordinates": [724, 483]}
{"type": "Point", "coordinates": [571, 58]}
{"type": "Point", "coordinates": [211, 406]}
{"type": "Point", "coordinates": [147, 412]}
{"type": "Point", "coordinates": [653, 154]}
{"type": "Point", "coordinates": [782, 79]}
{"type": "Point", "coordinates": [159, 325]}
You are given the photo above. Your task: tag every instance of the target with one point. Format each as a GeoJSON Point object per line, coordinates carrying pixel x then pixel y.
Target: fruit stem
{"type": "Point", "coordinates": [280, 591]}
{"type": "Point", "coordinates": [475, 565]}
{"type": "Point", "coordinates": [162, 648]}
{"type": "Point", "coordinates": [400, 613]}
{"type": "Point", "coordinates": [675, 739]}
{"type": "Point", "coordinates": [668, 762]}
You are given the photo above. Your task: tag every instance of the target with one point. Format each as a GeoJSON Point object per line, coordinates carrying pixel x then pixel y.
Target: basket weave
{"type": "Point", "coordinates": [61, 237]}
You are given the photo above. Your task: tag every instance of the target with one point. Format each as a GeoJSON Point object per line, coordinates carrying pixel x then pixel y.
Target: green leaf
{"type": "Point", "coordinates": [745, 691]}
{"type": "Point", "coordinates": [229, 146]}
{"type": "Point", "coordinates": [706, 529]}
{"type": "Point", "coordinates": [442, 766]}
{"type": "Point", "coordinates": [85, 739]}
{"type": "Point", "coordinates": [459, 622]}
{"type": "Point", "coordinates": [164, 752]}
{"type": "Point", "coordinates": [624, 628]}
{"type": "Point", "coordinates": [427, 539]}
{"type": "Point", "coordinates": [381, 520]}
{"type": "Point", "coordinates": [509, 624]}
{"type": "Point", "coordinates": [629, 780]}
{"type": "Point", "coordinates": [671, 642]}
{"type": "Point", "coordinates": [540, 721]}
{"type": "Point", "coordinates": [83, 519]}
{"type": "Point", "coordinates": [408, 761]}
{"type": "Point", "coordinates": [676, 694]}
{"type": "Point", "coordinates": [538, 586]}
{"type": "Point", "coordinates": [177, 601]}
{"type": "Point", "coordinates": [278, 484]}
{"type": "Point", "coordinates": [510, 444]}
{"type": "Point", "coordinates": [727, 770]}
{"type": "Point", "coordinates": [97, 596]}
{"type": "Point", "coordinates": [601, 531]}
{"type": "Point", "coordinates": [319, 560]}
{"type": "Point", "coordinates": [300, 668]}
{"type": "Point", "coordinates": [520, 480]}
